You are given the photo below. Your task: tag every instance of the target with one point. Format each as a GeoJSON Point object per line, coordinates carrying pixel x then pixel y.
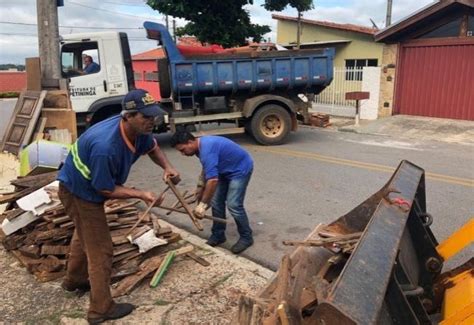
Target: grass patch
{"type": "Point", "coordinates": [10, 94]}
{"type": "Point", "coordinates": [221, 280]}
{"type": "Point", "coordinates": [160, 302]}
{"type": "Point", "coordinates": [75, 313]}
{"type": "Point", "coordinates": [55, 317]}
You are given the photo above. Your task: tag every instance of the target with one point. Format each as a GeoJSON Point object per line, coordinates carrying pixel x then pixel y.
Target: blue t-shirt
{"type": "Point", "coordinates": [223, 158]}
{"type": "Point", "coordinates": [107, 152]}
{"type": "Point", "coordinates": [92, 68]}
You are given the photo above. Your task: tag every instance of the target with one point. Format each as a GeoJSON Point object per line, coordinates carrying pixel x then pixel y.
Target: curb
{"type": "Point", "coordinates": [221, 253]}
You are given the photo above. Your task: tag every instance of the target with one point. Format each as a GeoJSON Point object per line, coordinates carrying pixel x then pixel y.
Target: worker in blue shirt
{"type": "Point", "coordinates": [89, 65]}
{"type": "Point", "coordinates": [95, 170]}
{"type": "Point", "coordinates": [227, 169]}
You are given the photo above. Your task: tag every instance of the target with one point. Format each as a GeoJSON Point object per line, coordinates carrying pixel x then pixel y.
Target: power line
{"type": "Point", "coordinates": [77, 27]}
{"type": "Point", "coordinates": [22, 34]}
{"type": "Point", "coordinates": [109, 11]}
{"type": "Point", "coordinates": [126, 4]}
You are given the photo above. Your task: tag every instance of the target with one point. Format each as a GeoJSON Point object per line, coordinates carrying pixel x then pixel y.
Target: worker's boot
{"type": "Point", "coordinates": [214, 240]}
{"type": "Point", "coordinates": [117, 311]}
{"type": "Point", "coordinates": [68, 286]}
{"type": "Point", "coordinates": [241, 245]}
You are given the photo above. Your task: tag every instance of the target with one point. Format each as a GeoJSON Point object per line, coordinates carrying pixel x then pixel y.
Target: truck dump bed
{"type": "Point", "coordinates": [301, 71]}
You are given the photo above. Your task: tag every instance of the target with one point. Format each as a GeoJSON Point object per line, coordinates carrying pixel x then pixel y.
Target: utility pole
{"type": "Point", "coordinates": [298, 31]}
{"type": "Point", "coordinates": [388, 19]}
{"type": "Point", "coordinates": [48, 38]}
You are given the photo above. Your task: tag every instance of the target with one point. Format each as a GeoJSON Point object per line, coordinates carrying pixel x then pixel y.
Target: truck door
{"type": "Point", "coordinates": [84, 65]}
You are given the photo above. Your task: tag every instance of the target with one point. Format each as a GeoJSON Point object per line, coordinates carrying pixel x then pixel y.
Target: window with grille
{"type": "Point", "coordinates": [354, 67]}
{"type": "Point", "coordinates": [138, 76]}
{"type": "Point", "coordinates": [151, 76]}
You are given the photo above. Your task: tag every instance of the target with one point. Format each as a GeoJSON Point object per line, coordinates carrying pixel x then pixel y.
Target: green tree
{"type": "Point", "coordinates": [299, 5]}
{"type": "Point", "coordinates": [223, 22]}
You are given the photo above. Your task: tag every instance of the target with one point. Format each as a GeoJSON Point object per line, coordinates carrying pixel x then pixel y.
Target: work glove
{"type": "Point", "coordinates": [200, 210]}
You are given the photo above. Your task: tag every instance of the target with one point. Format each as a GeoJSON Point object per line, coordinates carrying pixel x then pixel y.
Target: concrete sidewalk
{"type": "Point", "coordinates": [411, 127]}
{"type": "Point", "coordinates": [189, 293]}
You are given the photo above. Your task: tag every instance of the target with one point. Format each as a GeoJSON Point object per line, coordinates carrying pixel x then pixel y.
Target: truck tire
{"type": "Point", "coordinates": [164, 78]}
{"type": "Point", "coordinates": [271, 125]}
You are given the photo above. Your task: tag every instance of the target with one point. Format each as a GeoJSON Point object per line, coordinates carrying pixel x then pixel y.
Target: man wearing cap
{"type": "Point", "coordinates": [96, 170]}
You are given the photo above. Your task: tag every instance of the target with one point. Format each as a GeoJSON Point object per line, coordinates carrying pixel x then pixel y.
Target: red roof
{"type": "Point", "coordinates": [12, 81]}
{"type": "Point", "coordinates": [149, 55]}
{"type": "Point", "coordinates": [328, 24]}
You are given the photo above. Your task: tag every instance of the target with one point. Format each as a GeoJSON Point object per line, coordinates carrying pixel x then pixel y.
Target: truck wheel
{"type": "Point", "coordinates": [164, 78]}
{"type": "Point", "coordinates": [271, 125]}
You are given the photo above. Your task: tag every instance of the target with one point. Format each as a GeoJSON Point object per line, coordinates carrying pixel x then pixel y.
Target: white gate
{"type": "Point", "coordinates": [332, 99]}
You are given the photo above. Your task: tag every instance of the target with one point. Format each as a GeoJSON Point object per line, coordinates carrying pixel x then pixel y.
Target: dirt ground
{"type": "Point", "coordinates": [188, 294]}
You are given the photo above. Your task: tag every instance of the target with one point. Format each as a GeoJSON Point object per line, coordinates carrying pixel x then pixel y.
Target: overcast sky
{"type": "Point", "coordinates": [19, 40]}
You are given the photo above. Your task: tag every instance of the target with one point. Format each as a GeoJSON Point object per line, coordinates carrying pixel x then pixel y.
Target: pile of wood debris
{"type": "Point", "coordinates": [41, 241]}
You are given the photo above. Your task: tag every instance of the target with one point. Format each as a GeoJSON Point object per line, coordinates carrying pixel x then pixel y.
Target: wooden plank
{"type": "Point", "coordinates": [54, 250]}
{"type": "Point", "coordinates": [45, 276]}
{"type": "Point", "coordinates": [121, 206]}
{"type": "Point", "coordinates": [61, 220]}
{"type": "Point", "coordinates": [12, 214]}
{"type": "Point", "coordinates": [198, 259]}
{"type": "Point", "coordinates": [61, 119]}
{"type": "Point", "coordinates": [32, 251]}
{"type": "Point", "coordinates": [33, 74]}
{"type": "Point", "coordinates": [126, 256]}
{"type": "Point", "coordinates": [20, 129]}
{"type": "Point", "coordinates": [125, 248]}
{"type": "Point", "coordinates": [39, 129]}
{"type": "Point", "coordinates": [34, 181]}
{"type": "Point", "coordinates": [57, 99]}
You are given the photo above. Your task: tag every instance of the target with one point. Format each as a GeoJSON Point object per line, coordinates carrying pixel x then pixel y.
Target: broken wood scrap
{"type": "Point", "coordinates": [124, 248]}
{"type": "Point", "coordinates": [32, 251]}
{"type": "Point", "coordinates": [36, 180]}
{"type": "Point", "coordinates": [198, 259]}
{"type": "Point", "coordinates": [219, 220]}
{"type": "Point", "coordinates": [350, 238]}
{"type": "Point", "coordinates": [43, 245]}
{"type": "Point", "coordinates": [12, 214]}
{"type": "Point", "coordinates": [122, 259]}
{"type": "Point", "coordinates": [54, 250]}
{"type": "Point", "coordinates": [156, 224]}
{"type": "Point", "coordinates": [60, 220]}
{"type": "Point", "coordinates": [186, 207]}
{"type": "Point", "coordinates": [287, 297]}
{"type": "Point", "coordinates": [146, 268]}
{"type": "Point", "coordinates": [177, 203]}
{"type": "Point", "coordinates": [120, 206]}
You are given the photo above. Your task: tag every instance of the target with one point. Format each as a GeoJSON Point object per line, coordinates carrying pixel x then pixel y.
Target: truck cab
{"type": "Point", "coordinates": [96, 94]}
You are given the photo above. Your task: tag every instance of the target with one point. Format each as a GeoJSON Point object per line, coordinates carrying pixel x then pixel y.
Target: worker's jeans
{"type": "Point", "coordinates": [91, 251]}
{"type": "Point", "coordinates": [231, 192]}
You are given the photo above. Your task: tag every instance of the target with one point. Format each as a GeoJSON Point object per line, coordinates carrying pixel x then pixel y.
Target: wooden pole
{"type": "Point", "coordinates": [48, 38]}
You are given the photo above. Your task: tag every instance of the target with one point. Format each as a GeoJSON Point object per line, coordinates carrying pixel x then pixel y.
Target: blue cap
{"type": "Point", "coordinates": [140, 100]}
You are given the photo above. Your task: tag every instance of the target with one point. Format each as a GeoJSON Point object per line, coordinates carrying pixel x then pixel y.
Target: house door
{"type": "Point", "coordinates": [436, 79]}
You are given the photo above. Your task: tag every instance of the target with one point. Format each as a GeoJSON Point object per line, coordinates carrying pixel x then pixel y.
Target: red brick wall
{"type": "Point", "coordinates": [12, 81]}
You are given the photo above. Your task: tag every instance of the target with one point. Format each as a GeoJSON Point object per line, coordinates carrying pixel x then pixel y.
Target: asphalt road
{"type": "Point", "coordinates": [320, 175]}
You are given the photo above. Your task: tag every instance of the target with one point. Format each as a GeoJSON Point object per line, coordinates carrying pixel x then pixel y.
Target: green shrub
{"type": "Point", "coordinates": [9, 94]}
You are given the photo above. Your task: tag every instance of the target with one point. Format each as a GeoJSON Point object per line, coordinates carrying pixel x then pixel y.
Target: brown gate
{"type": "Point", "coordinates": [436, 79]}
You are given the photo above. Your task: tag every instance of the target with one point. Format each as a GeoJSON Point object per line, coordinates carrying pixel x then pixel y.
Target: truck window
{"type": "Point", "coordinates": [78, 59]}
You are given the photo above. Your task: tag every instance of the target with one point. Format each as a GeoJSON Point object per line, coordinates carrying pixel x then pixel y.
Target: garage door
{"type": "Point", "coordinates": [436, 79]}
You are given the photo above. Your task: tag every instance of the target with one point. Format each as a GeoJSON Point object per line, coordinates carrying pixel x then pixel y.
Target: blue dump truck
{"type": "Point", "coordinates": [264, 94]}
